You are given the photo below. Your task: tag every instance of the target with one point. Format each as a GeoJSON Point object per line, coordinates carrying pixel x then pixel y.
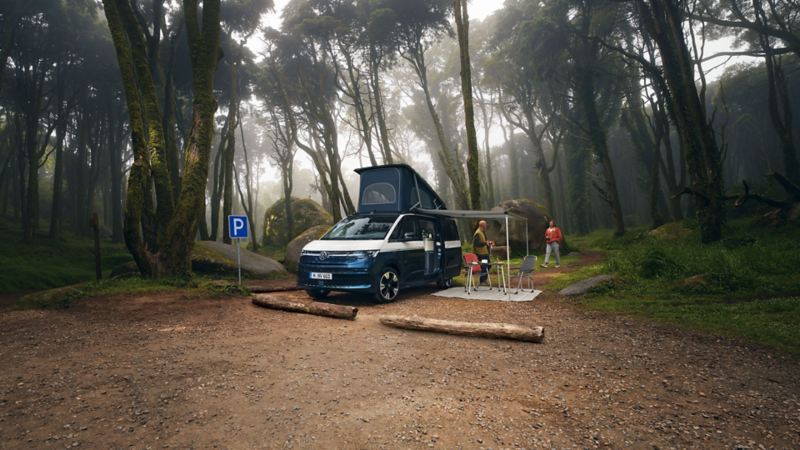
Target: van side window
{"type": "Point", "coordinates": [407, 225]}
{"type": "Point", "coordinates": [428, 227]}
{"type": "Point", "coordinates": [450, 230]}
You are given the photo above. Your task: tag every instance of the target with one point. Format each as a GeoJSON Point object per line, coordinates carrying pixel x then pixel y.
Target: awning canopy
{"type": "Point", "coordinates": [470, 214]}
{"type": "Point", "coordinates": [496, 215]}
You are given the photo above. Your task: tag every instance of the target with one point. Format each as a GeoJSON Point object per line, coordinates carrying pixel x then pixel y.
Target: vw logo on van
{"type": "Point", "coordinates": [323, 256]}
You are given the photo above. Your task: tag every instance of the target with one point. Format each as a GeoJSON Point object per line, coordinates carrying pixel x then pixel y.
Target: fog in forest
{"type": "Point", "coordinates": [588, 108]}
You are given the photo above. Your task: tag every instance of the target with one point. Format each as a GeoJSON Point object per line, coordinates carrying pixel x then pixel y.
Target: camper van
{"type": "Point", "coordinates": [394, 241]}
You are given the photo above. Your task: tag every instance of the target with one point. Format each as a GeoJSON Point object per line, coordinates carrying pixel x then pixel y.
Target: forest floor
{"type": "Point", "coordinates": [174, 370]}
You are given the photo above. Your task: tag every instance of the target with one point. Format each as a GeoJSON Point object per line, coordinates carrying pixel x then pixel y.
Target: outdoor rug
{"type": "Point", "coordinates": [485, 294]}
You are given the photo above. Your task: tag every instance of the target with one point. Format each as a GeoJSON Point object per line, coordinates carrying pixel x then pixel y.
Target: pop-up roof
{"type": "Point", "coordinates": [394, 188]}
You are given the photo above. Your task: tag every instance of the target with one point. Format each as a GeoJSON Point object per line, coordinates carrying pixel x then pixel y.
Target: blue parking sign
{"type": "Point", "coordinates": [237, 227]}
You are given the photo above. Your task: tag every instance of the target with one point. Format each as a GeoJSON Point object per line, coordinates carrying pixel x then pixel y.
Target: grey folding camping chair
{"type": "Point", "coordinates": [526, 270]}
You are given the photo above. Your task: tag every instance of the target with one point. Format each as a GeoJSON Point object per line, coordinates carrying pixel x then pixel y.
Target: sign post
{"type": "Point", "coordinates": [238, 229]}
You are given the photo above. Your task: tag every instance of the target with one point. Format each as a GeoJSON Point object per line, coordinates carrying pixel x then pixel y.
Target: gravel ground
{"type": "Point", "coordinates": [168, 371]}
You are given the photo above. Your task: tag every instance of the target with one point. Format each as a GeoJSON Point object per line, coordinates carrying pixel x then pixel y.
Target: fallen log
{"type": "Point", "coordinates": [316, 308]}
{"type": "Point", "coordinates": [256, 289]}
{"type": "Point", "coordinates": [486, 330]}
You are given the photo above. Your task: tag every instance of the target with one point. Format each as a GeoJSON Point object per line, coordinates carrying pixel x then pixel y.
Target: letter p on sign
{"type": "Point", "coordinates": [237, 227]}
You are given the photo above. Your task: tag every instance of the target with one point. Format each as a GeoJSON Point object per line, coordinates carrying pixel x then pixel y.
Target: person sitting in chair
{"type": "Point", "coordinates": [481, 248]}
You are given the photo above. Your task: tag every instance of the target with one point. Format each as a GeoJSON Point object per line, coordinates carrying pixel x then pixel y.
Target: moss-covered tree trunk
{"type": "Point", "coordinates": [204, 45]}
{"type": "Point", "coordinates": [160, 236]}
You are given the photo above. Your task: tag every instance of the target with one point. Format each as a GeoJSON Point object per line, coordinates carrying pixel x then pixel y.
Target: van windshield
{"type": "Point", "coordinates": [361, 228]}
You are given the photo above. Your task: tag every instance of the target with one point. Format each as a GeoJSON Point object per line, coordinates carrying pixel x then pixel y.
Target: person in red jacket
{"type": "Point", "coordinates": [553, 238]}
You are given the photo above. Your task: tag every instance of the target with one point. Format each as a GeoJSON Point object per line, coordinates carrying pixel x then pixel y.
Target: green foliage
{"type": "Point", "coordinates": [773, 322]}
{"type": "Point", "coordinates": [51, 263]}
{"type": "Point", "coordinates": [744, 285]}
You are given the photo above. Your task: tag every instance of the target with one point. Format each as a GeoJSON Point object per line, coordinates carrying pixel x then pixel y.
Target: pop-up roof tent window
{"type": "Point", "coordinates": [394, 188]}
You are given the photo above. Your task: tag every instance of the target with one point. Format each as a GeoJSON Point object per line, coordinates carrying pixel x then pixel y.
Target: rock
{"type": "Point", "coordinates": [306, 213]}
{"type": "Point", "coordinates": [585, 286]}
{"type": "Point", "coordinates": [57, 298]}
{"type": "Point", "coordinates": [211, 257]}
{"type": "Point", "coordinates": [673, 231]}
{"type": "Point", "coordinates": [293, 249]}
{"type": "Point", "coordinates": [218, 257]}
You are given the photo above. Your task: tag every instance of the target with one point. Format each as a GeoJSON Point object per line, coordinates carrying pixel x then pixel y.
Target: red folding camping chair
{"type": "Point", "coordinates": [472, 265]}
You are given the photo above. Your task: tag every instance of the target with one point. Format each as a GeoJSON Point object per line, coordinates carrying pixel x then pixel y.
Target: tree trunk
{"type": "Point", "coordinates": [182, 228]}
{"type": "Point", "coordinates": [780, 110]}
{"type": "Point", "coordinates": [58, 171]}
{"type": "Point", "coordinates": [115, 154]}
{"type": "Point", "coordinates": [454, 171]}
{"type": "Point", "coordinates": [513, 159]}
{"type": "Point", "coordinates": [286, 178]}
{"type": "Point", "coordinates": [160, 236]}
{"type": "Point", "coordinates": [380, 113]}
{"type": "Point", "coordinates": [485, 330]}
{"type": "Point", "coordinates": [579, 167]}
{"type": "Point", "coordinates": [230, 150]}
{"type": "Point", "coordinates": [473, 158]}
{"type": "Point", "coordinates": [597, 136]}
{"type": "Point", "coordinates": [217, 182]}
{"type": "Point", "coordinates": [491, 195]}
{"type": "Point", "coordinates": [31, 219]}
{"type": "Point", "coordinates": [647, 146]}
{"type": "Point", "coordinates": [662, 20]}
{"type": "Point", "coordinates": [316, 308]}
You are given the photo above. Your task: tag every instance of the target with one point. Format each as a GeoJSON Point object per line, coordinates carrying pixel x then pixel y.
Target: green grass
{"type": "Point", "coordinates": [51, 263]}
{"type": "Point", "coordinates": [744, 286]}
{"type": "Point", "coordinates": [772, 322]}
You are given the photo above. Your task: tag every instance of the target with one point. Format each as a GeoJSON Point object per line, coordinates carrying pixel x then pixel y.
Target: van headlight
{"type": "Point", "coordinates": [365, 254]}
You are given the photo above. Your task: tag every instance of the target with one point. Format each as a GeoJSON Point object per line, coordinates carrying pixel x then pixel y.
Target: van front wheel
{"type": "Point", "coordinates": [388, 286]}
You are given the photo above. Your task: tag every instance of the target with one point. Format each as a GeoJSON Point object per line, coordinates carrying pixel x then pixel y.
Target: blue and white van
{"type": "Point", "coordinates": [389, 244]}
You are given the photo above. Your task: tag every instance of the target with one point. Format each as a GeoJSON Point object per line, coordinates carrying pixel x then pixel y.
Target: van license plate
{"type": "Point", "coordinates": [321, 276]}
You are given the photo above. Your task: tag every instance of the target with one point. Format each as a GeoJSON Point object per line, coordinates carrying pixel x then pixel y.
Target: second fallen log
{"type": "Point", "coordinates": [316, 308]}
{"type": "Point", "coordinates": [475, 329]}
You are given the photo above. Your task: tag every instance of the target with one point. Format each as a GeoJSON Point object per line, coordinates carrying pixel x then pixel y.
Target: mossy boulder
{"type": "Point", "coordinates": [58, 298]}
{"type": "Point", "coordinates": [673, 231]}
{"type": "Point", "coordinates": [296, 246]}
{"type": "Point", "coordinates": [306, 214]}
{"type": "Point", "coordinates": [217, 258]}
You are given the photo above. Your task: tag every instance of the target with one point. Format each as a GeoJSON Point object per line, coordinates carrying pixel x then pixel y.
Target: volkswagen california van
{"type": "Point", "coordinates": [394, 241]}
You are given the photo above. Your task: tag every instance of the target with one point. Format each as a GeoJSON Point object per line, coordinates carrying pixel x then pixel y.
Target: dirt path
{"type": "Point", "coordinates": [168, 371]}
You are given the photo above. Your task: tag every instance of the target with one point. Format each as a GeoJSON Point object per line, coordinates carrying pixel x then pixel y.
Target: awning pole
{"type": "Point", "coordinates": [508, 260]}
